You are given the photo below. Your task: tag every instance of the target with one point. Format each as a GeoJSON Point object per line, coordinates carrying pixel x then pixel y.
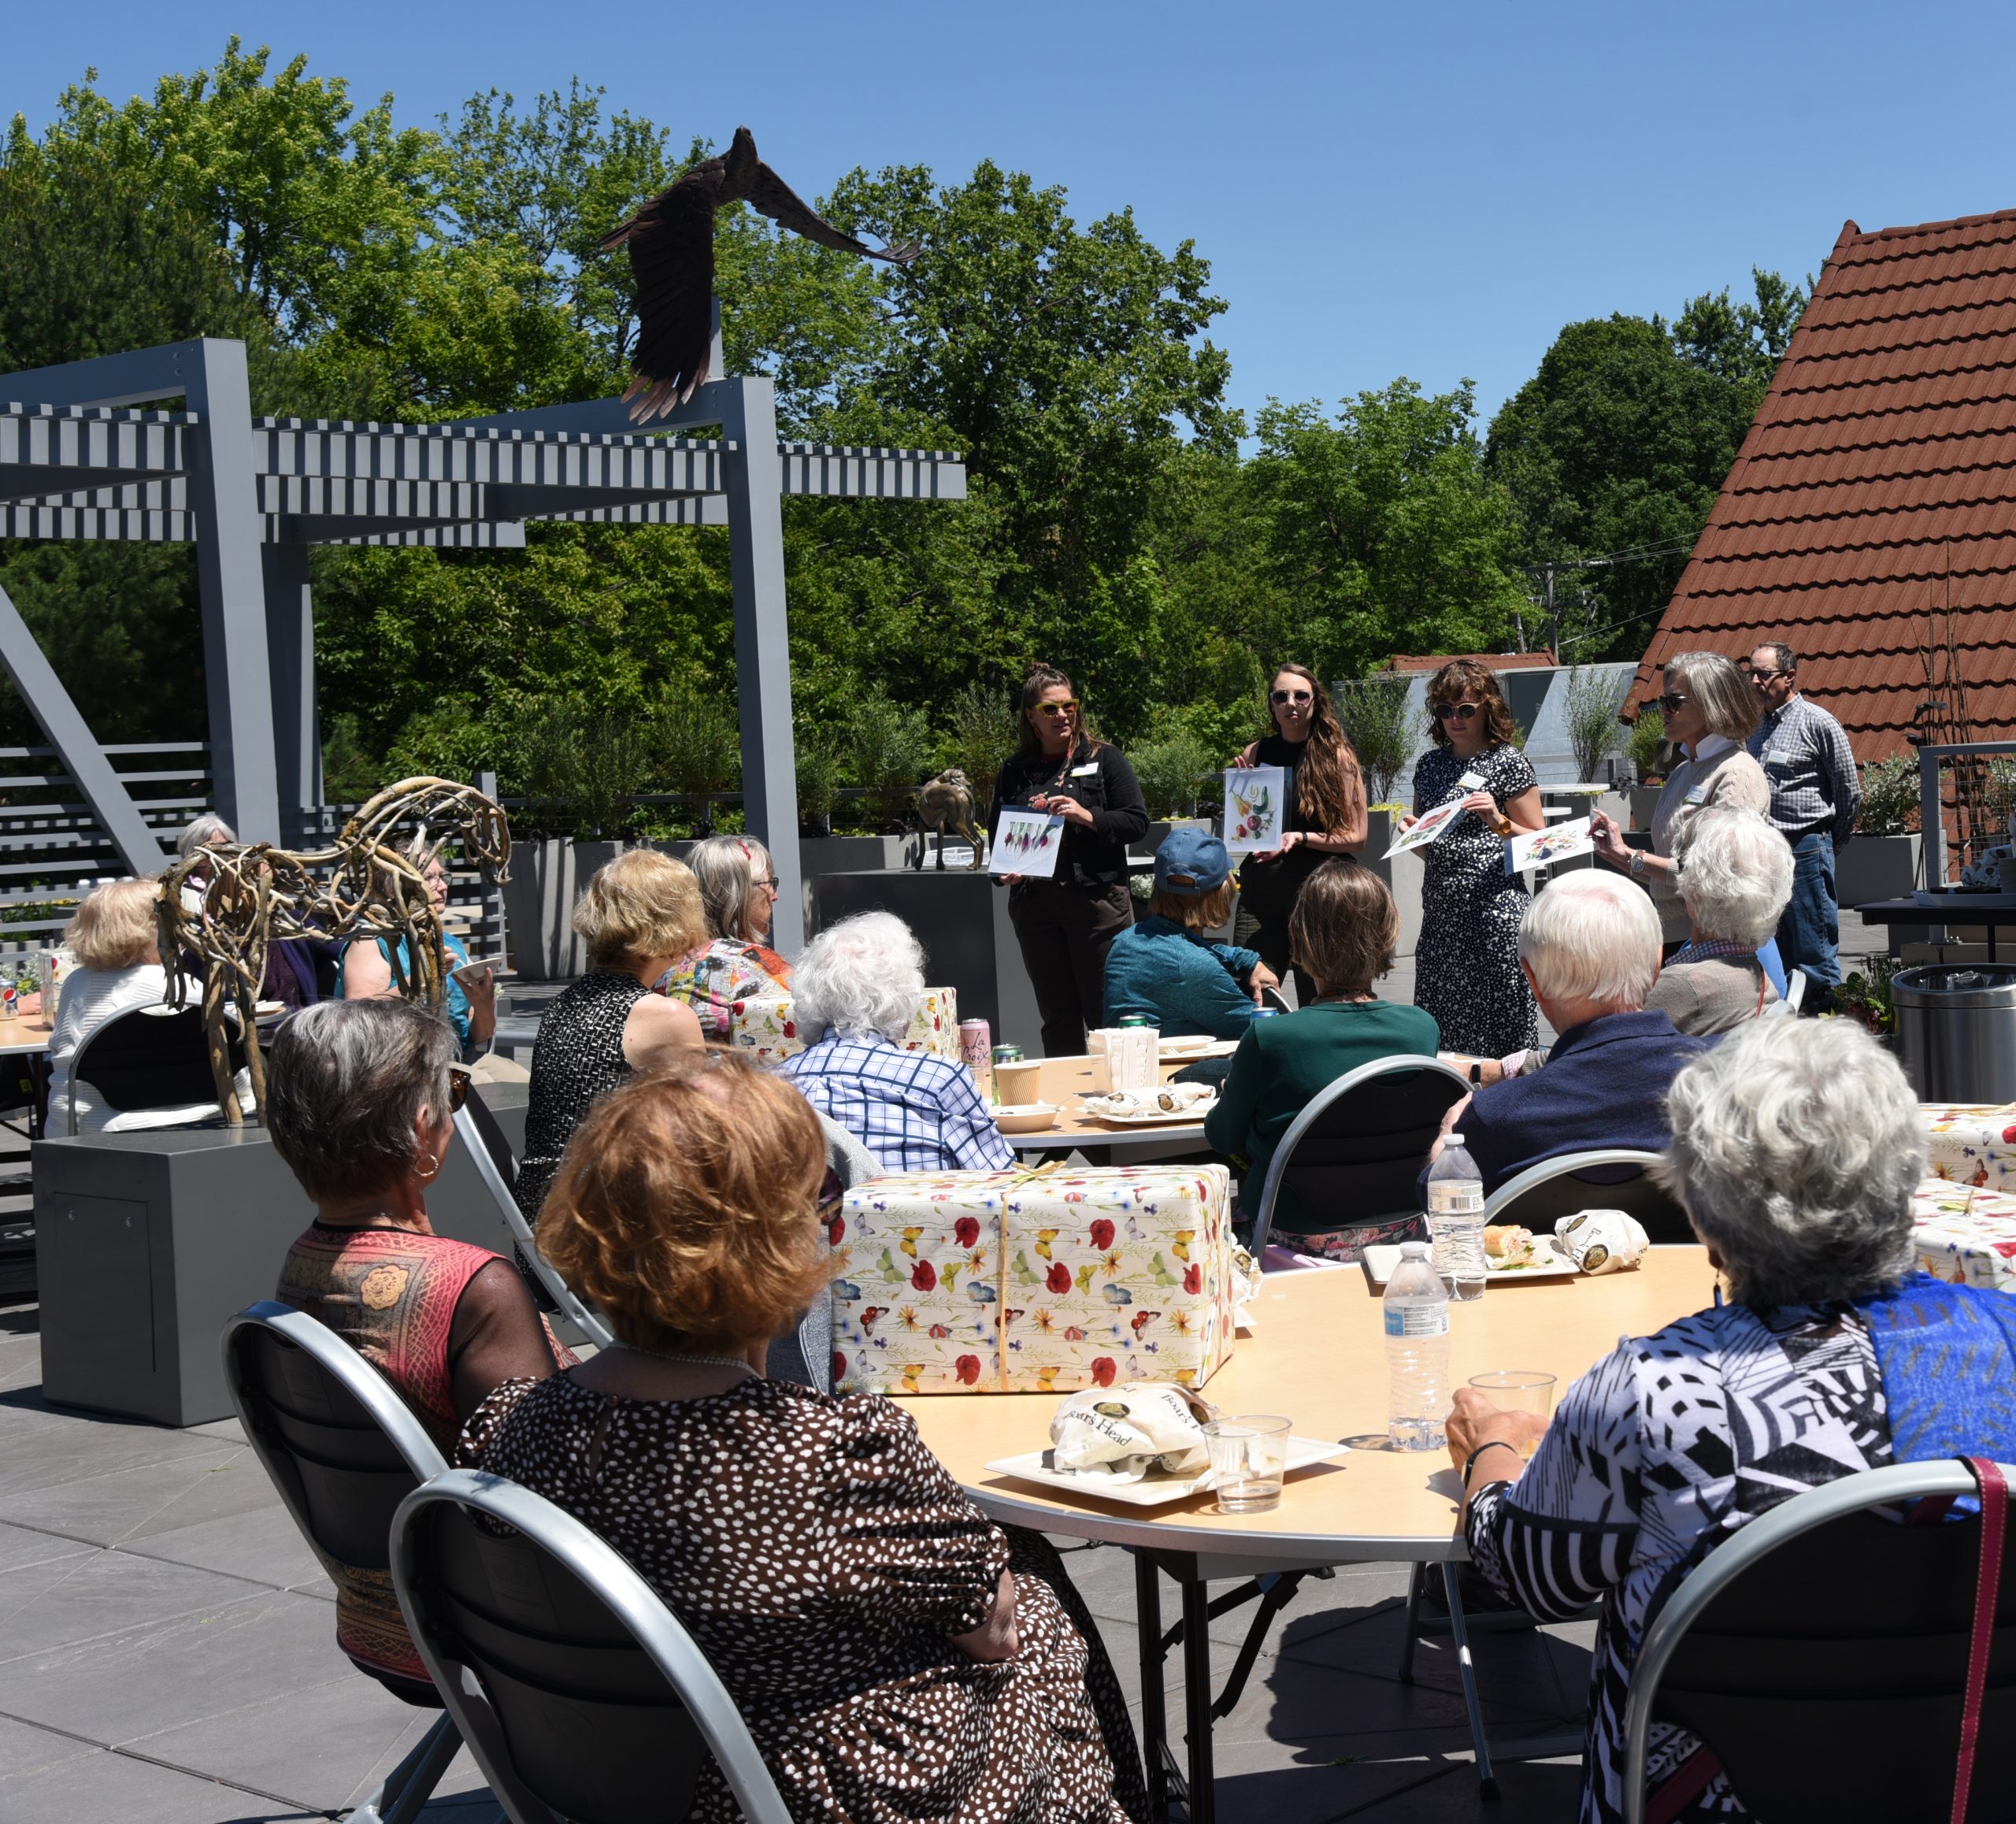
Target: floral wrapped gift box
{"type": "Point", "coordinates": [1972, 1144]}
{"type": "Point", "coordinates": [1025, 1282]}
{"type": "Point", "coordinates": [1965, 1235]}
{"type": "Point", "coordinates": [763, 1024]}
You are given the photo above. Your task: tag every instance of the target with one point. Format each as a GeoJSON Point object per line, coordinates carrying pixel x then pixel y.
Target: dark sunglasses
{"type": "Point", "coordinates": [1294, 697]}
{"type": "Point", "coordinates": [1068, 707]}
{"type": "Point", "coordinates": [1672, 701]}
{"type": "Point", "coordinates": [459, 1080]}
{"type": "Point", "coordinates": [1758, 671]}
{"type": "Point", "coordinates": [1455, 712]}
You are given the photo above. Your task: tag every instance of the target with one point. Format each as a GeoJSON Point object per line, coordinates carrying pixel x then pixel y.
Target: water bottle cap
{"type": "Point", "coordinates": [1414, 1251]}
{"type": "Point", "coordinates": [1455, 1140]}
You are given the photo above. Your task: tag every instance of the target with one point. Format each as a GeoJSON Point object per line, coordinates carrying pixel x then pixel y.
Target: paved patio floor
{"type": "Point", "coordinates": [167, 1652]}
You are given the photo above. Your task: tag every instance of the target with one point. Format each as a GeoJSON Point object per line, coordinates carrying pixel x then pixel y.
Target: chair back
{"type": "Point", "coordinates": [1827, 1679]}
{"type": "Point", "coordinates": [341, 1446]}
{"type": "Point", "coordinates": [148, 1058]}
{"type": "Point", "coordinates": [1355, 1152]}
{"type": "Point", "coordinates": [1610, 1178]}
{"type": "Point", "coordinates": [579, 1677]}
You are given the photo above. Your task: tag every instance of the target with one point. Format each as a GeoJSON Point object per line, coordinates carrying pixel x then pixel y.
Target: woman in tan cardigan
{"type": "Point", "coordinates": [1710, 711]}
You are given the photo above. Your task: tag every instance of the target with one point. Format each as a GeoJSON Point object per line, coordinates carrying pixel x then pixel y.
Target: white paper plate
{"type": "Point", "coordinates": [1154, 1491]}
{"type": "Point", "coordinates": [1154, 1117]}
{"type": "Point", "coordinates": [1197, 1045]}
{"type": "Point", "coordinates": [1380, 1262]}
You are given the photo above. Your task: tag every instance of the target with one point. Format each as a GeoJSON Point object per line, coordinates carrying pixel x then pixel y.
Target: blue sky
{"type": "Point", "coordinates": [1427, 190]}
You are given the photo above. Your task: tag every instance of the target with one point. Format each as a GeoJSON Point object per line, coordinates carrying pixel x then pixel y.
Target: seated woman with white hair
{"type": "Point", "coordinates": [1735, 877]}
{"type": "Point", "coordinates": [1589, 946]}
{"type": "Point", "coordinates": [858, 984]}
{"type": "Point", "coordinates": [1795, 1147]}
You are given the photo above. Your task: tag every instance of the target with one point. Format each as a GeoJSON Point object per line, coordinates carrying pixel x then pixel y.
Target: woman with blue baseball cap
{"type": "Point", "coordinates": [1164, 968]}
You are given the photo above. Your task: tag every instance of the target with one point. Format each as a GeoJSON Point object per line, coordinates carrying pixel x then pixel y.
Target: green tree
{"type": "Point", "coordinates": [1383, 527]}
{"type": "Point", "coordinates": [1742, 343]}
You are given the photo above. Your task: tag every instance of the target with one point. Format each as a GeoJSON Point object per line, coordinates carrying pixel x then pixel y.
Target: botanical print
{"type": "Point", "coordinates": [1026, 843]}
{"type": "Point", "coordinates": [1256, 802]}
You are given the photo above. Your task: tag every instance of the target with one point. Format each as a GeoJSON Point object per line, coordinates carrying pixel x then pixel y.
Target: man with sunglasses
{"type": "Point", "coordinates": [1815, 790]}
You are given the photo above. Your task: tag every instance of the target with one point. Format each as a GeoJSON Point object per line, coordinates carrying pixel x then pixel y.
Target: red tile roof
{"type": "Point", "coordinates": [1490, 661]}
{"type": "Point", "coordinates": [1881, 462]}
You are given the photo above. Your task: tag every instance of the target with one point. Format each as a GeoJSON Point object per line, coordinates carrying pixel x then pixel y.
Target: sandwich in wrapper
{"type": "Point", "coordinates": [1601, 1240]}
{"type": "Point", "coordinates": [1124, 1433]}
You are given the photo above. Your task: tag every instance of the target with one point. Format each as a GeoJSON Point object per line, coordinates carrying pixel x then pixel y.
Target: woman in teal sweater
{"type": "Point", "coordinates": [1345, 931]}
{"type": "Point", "coordinates": [1163, 967]}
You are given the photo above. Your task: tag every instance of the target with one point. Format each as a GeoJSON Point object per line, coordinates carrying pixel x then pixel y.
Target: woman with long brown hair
{"type": "Point", "coordinates": [1326, 813]}
{"type": "Point", "coordinates": [1467, 959]}
{"type": "Point", "coordinates": [1066, 924]}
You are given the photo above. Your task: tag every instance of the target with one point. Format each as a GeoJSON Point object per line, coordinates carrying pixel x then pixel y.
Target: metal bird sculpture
{"type": "Point", "coordinates": [671, 241]}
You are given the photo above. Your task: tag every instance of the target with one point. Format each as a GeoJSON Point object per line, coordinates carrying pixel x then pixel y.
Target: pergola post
{"type": "Point", "coordinates": [290, 652]}
{"type": "Point", "coordinates": [754, 478]}
{"type": "Point", "coordinates": [224, 500]}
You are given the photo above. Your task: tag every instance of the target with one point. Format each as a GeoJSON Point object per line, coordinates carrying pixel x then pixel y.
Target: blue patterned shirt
{"type": "Point", "coordinates": [914, 1111]}
{"type": "Point", "coordinates": [1811, 769]}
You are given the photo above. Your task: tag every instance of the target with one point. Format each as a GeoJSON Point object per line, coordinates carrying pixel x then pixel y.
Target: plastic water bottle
{"type": "Point", "coordinates": [1417, 1313]}
{"type": "Point", "coordinates": [1455, 1219]}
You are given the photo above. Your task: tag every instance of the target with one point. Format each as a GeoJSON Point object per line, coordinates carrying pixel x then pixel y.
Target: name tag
{"type": "Point", "coordinates": [1778, 757]}
{"type": "Point", "coordinates": [1085, 772]}
{"type": "Point", "coordinates": [1698, 795]}
{"type": "Point", "coordinates": [1472, 782]}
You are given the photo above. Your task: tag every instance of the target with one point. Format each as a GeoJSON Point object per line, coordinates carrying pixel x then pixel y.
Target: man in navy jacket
{"type": "Point", "coordinates": [1590, 946]}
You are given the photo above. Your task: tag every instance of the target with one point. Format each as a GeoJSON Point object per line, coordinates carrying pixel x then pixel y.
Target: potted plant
{"type": "Point", "coordinates": [1864, 997]}
{"type": "Point", "coordinates": [1882, 860]}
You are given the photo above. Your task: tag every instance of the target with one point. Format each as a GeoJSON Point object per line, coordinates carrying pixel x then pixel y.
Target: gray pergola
{"type": "Point", "coordinates": [253, 494]}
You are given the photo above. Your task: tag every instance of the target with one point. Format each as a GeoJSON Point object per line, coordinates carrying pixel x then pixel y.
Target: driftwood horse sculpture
{"type": "Point", "coordinates": [226, 902]}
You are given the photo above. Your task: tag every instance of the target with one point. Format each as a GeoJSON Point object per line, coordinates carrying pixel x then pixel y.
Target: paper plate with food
{"type": "Point", "coordinates": [1173, 1102]}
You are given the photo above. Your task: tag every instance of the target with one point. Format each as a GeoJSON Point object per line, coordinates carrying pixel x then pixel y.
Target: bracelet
{"type": "Point", "coordinates": [1469, 1462]}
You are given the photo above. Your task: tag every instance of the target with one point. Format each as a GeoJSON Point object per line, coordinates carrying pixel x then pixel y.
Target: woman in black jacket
{"type": "Point", "coordinates": [1067, 923]}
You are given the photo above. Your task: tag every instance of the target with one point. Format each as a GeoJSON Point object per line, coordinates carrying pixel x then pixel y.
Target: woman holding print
{"type": "Point", "coordinates": [1066, 924]}
{"type": "Point", "coordinates": [1467, 961]}
{"type": "Point", "coordinates": [1326, 813]}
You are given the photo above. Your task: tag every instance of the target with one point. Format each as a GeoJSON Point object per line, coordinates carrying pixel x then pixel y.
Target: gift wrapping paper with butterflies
{"type": "Point", "coordinates": [763, 1024]}
{"type": "Point", "coordinates": [1033, 1281]}
{"type": "Point", "coordinates": [1965, 1234]}
{"type": "Point", "coordinates": [1970, 1144]}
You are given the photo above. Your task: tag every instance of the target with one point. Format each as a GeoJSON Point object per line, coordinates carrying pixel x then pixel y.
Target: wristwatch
{"type": "Point", "coordinates": [1635, 866]}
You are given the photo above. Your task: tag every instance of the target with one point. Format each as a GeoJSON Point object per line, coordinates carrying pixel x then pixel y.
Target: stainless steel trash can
{"type": "Point", "coordinates": [1956, 1026]}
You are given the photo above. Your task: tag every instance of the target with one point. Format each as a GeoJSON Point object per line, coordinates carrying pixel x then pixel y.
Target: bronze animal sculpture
{"type": "Point", "coordinates": [943, 803]}
{"type": "Point", "coordinates": [226, 902]}
{"type": "Point", "coordinates": [671, 241]}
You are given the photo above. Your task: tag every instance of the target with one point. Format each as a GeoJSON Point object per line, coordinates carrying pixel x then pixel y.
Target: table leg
{"type": "Point", "coordinates": [1197, 1696]}
{"type": "Point", "coordinates": [1155, 1713]}
{"type": "Point", "coordinates": [1416, 1587]}
{"type": "Point", "coordinates": [1459, 1634]}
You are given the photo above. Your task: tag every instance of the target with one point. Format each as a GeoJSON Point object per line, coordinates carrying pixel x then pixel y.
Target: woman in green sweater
{"type": "Point", "coordinates": [1343, 932]}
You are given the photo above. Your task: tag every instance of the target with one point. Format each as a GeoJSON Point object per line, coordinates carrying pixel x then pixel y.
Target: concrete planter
{"type": "Point", "coordinates": [1876, 868]}
{"type": "Point", "coordinates": [1402, 874]}
{"type": "Point", "coordinates": [547, 875]}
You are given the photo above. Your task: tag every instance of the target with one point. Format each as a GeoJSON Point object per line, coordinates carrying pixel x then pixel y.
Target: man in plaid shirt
{"type": "Point", "coordinates": [858, 984]}
{"type": "Point", "coordinates": [1815, 793]}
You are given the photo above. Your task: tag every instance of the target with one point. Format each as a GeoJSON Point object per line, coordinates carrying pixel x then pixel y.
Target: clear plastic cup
{"type": "Point", "coordinates": [1519, 1390]}
{"type": "Point", "coordinates": [1249, 1457]}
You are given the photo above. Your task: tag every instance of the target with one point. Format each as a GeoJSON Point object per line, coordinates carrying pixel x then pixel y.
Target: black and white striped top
{"type": "Point", "coordinates": [1655, 1456]}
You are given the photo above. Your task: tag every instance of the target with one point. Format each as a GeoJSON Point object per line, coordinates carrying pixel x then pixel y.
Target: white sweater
{"type": "Point", "coordinates": [89, 998]}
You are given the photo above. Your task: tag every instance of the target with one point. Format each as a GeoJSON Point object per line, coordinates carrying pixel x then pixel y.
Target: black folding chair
{"type": "Point", "coordinates": [343, 1449]}
{"type": "Point", "coordinates": [1355, 1153]}
{"type": "Point", "coordinates": [1828, 1679]}
{"type": "Point", "coordinates": [1609, 1178]}
{"type": "Point", "coordinates": [579, 1694]}
{"type": "Point", "coordinates": [149, 1058]}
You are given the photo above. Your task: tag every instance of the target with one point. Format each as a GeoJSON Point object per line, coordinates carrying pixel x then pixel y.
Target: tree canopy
{"type": "Point", "coordinates": [1124, 521]}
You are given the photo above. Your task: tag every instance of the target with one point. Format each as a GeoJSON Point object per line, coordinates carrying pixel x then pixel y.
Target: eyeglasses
{"type": "Point", "coordinates": [1757, 672]}
{"type": "Point", "coordinates": [1672, 701]}
{"type": "Point", "coordinates": [1455, 712]}
{"type": "Point", "coordinates": [459, 1080]}
{"type": "Point", "coordinates": [1293, 696]}
{"type": "Point", "coordinates": [1068, 707]}
{"type": "Point", "coordinates": [768, 885]}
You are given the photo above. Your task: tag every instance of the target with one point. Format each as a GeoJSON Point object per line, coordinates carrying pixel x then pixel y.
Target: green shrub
{"type": "Point", "coordinates": [1889, 797]}
{"type": "Point", "coordinates": [1383, 728]}
{"type": "Point", "coordinates": [1647, 734]}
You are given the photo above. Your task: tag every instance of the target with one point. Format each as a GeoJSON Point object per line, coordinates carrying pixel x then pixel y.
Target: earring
{"type": "Point", "coordinates": [431, 1171]}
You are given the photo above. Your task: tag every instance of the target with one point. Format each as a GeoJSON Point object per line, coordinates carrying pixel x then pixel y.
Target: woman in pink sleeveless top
{"type": "Point", "coordinates": [360, 1103]}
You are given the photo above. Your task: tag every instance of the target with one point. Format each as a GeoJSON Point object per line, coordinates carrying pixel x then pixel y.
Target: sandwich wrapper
{"type": "Point", "coordinates": [1127, 1433]}
{"type": "Point", "coordinates": [1601, 1241]}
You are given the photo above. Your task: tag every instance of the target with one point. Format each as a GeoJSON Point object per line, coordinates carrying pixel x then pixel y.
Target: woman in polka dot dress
{"type": "Point", "coordinates": [897, 1656]}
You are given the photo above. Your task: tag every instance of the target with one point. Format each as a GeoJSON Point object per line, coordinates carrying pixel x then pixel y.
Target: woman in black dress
{"type": "Point", "coordinates": [1466, 960]}
{"type": "Point", "coordinates": [897, 1656]}
{"type": "Point", "coordinates": [1067, 924]}
{"type": "Point", "coordinates": [1326, 813]}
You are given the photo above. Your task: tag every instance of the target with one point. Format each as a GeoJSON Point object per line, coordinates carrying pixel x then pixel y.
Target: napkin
{"type": "Point", "coordinates": [1123, 1433]}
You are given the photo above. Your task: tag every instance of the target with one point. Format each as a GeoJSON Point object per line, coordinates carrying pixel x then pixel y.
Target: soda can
{"type": "Point", "coordinates": [1266, 1012]}
{"type": "Point", "coordinates": [1135, 1020]}
{"type": "Point", "coordinates": [1008, 1053]}
{"type": "Point", "coordinates": [976, 1043]}
{"type": "Point", "coordinates": [10, 1002]}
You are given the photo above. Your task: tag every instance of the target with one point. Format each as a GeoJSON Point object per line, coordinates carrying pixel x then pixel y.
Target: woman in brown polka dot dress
{"type": "Point", "coordinates": [896, 1656]}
